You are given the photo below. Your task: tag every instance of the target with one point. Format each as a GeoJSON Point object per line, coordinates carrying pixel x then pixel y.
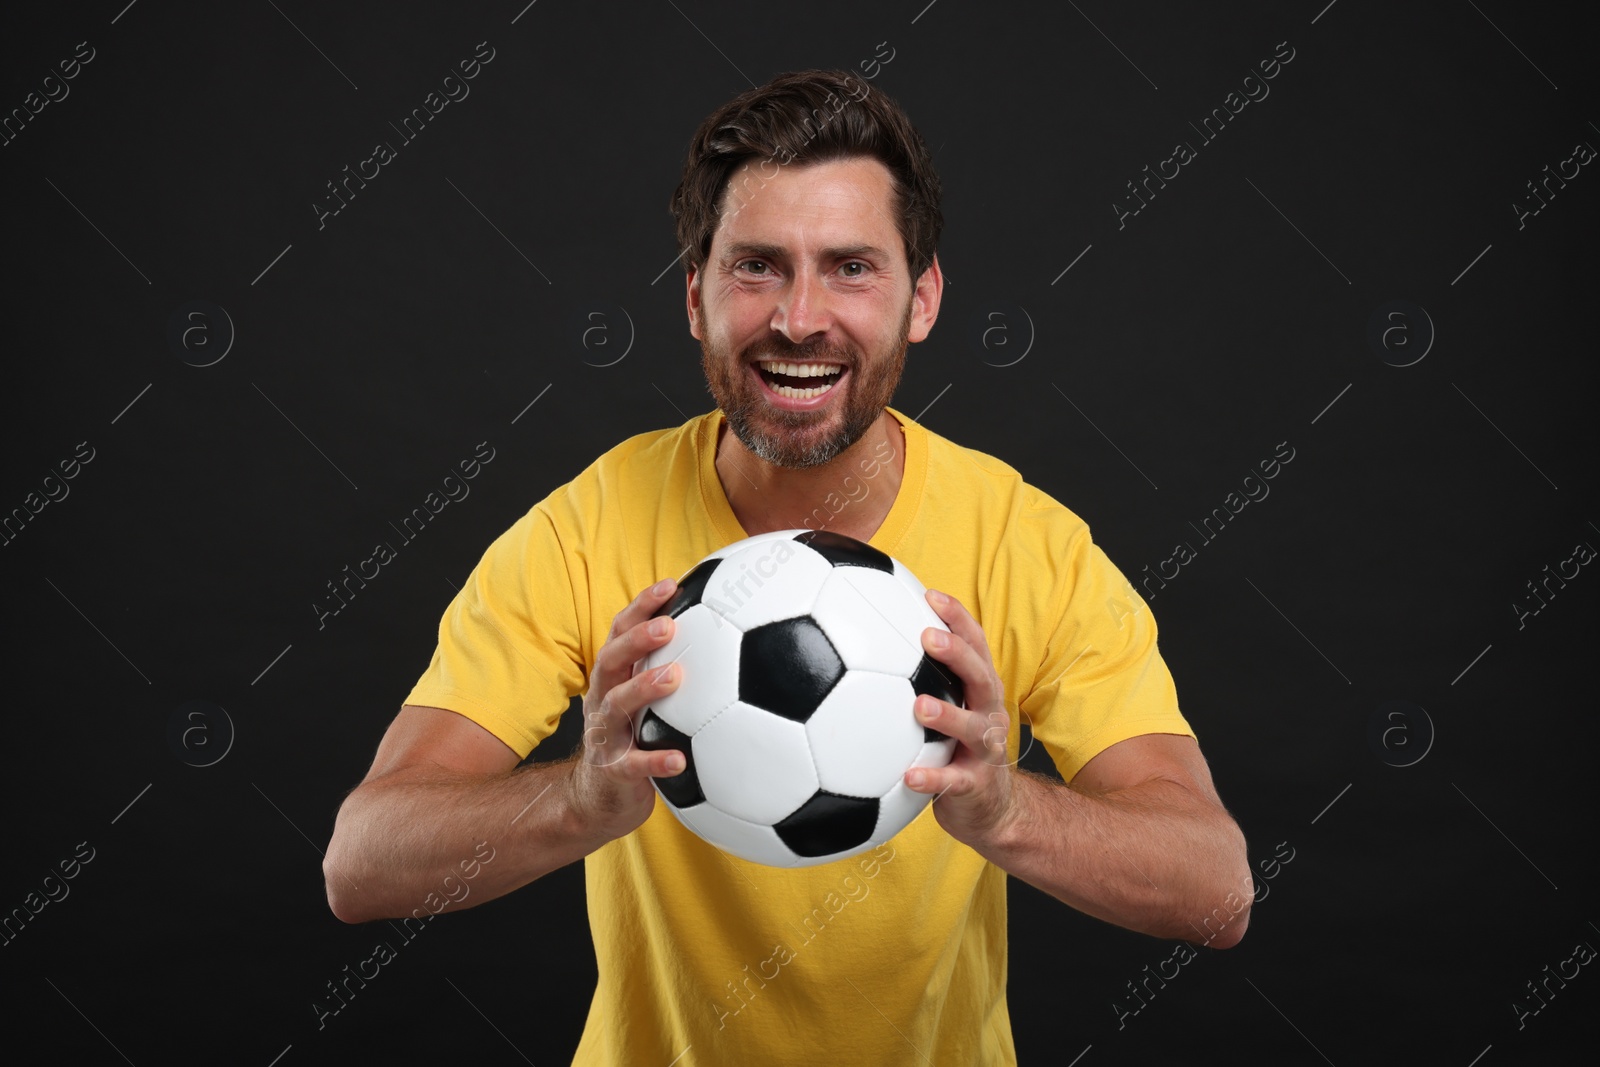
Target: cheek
{"type": "Point", "coordinates": [878, 326]}
{"type": "Point", "coordinates": [737, 323]}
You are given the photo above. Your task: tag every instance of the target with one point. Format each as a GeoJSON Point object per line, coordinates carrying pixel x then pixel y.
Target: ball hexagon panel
{"type": "Point", "coordinates": [682, 789]}
{"type": "Point", "coordinates": [691, 587]}
{"type": "Point", "coordinates": [754, 765]}
{"type": "Point", "coordinates": [788, 667]}
{"type": "Point", "coordinates": [901, 804]}
{"type": "Point", "coordinates": [766, 582]}
{"type": "Point", "coordinates": [935, 753]}
{"type": "Point", "coordinates": [703, 646]}
{"type": "Point", "coordinates": [828, 823]}
{"type": "Point", "coordinates": [873, 620]}
{"type": "Point", "coordinates": [911, 582]}
{"type": "Point", "coordinates": [919, 597]}
{"type": "Point", "coordinates": [897, 809]}
{"type": "Point", "coordinates": [864, 734]}
{"type": "Point", "coordinates": [758, 844]}
{"type": "Point", "coordinates": [762, 538]}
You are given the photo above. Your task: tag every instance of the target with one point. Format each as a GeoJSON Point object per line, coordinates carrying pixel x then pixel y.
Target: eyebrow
{"type": "Point", "coordinates": [771, 251]}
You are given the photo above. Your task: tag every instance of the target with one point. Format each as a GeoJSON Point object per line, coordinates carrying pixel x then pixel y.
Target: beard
{"type": "Point", "coordinates": [801, 439]}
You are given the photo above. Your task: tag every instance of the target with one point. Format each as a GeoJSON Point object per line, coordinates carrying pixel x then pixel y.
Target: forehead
{"type": "Point", "coordinates": [802, 208]}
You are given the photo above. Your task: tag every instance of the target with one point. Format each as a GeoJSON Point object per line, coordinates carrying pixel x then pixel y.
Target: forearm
{"type": "Point", "coordinates": [1151, 858]}
{"type": "Point", "coordinates": [416, 842]}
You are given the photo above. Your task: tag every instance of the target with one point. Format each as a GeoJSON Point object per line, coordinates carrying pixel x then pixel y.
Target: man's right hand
{"type": "Point", "coordinates": [441, 785]}
{"type": "Point", "coordinates": [610, 786]}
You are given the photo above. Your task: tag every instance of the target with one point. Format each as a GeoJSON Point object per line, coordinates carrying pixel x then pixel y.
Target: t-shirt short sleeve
{"type": "Point", "coordinates": [1102, 680]}
{"type": "Point", "coordinates": [510, 653]}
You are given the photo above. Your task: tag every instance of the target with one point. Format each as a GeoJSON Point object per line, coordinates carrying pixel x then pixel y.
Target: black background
{"type": "Point", "coordinates": [373, 353]}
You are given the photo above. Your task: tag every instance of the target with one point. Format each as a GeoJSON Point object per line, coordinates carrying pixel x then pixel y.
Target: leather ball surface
{"type": "Point", "coordinates": [800, 657]}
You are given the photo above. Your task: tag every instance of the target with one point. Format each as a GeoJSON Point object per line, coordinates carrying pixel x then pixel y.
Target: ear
{"type": "Point", "coordinates": [692, 302]}
{"type": "Point", "coordinates": [925, 302]}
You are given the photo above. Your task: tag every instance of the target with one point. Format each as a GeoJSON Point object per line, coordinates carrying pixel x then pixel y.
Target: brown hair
{"type": "Point", "coordinates": [808, 116]}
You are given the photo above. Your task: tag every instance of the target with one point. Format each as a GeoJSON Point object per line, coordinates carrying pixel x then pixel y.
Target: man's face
{"type": "Point", "coordinates": [806, 268]}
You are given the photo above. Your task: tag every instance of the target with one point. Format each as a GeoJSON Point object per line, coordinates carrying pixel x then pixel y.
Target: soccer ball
{"type": "Point", "coordinates": [801, 656]}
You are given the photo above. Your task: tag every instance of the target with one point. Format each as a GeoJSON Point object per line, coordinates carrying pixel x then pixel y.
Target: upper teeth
{"type": "Point", "coordinates": [798, 370]}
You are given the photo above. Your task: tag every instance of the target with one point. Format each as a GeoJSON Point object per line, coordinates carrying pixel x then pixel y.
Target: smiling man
{"type": "Point", "coordinates": [809, 216]}
{"type": "Point", "coordinates": [803, 329]}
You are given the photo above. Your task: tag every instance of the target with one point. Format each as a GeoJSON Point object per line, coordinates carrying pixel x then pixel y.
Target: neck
{"type": "Point", "coordinates": [851, 494]}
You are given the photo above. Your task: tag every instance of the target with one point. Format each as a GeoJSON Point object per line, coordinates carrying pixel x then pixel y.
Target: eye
{"type": "Point", "coordinates": [855, 263]}
{"type": "Point", "coordinates": [750, 264]}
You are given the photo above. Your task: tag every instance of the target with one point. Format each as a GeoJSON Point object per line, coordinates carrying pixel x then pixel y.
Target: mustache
{"type": "Point", "coordinates": [784, 350]}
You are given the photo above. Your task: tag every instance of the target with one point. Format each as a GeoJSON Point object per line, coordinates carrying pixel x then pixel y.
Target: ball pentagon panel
{"type": "Point", "coordinates": [828, 824]}
{"type": "Point", "coordinates": [682, 789]}
{"type": "Point", "coordinates": [788, 667]}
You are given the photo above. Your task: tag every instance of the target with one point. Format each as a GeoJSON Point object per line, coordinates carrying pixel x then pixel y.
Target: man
{"type": "Point", "coordinates": [809, 212]}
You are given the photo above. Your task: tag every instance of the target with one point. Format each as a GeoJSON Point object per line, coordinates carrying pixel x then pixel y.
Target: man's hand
{"type": "Point", "coordinates": [1138, 838]}
{"type": "Point", "coordinates": [974, 791]}
{"type": "Point", "coordinates": [441, 786]}
{"type": "Point", "coordinates": [610, 788]}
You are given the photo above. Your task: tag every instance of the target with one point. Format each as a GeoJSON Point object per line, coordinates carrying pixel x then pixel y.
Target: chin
{"type": "Point", "coordinates": [796, 445]}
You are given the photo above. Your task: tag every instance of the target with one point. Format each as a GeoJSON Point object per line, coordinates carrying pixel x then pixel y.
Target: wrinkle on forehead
{"type": "Point", "coordinates": [832, 197]}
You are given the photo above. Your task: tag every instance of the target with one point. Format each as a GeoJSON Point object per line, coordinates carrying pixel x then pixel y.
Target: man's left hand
{"type": "Point", "coordinates": [974, 796]}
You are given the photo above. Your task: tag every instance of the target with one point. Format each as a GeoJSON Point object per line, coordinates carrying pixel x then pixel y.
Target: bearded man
{"type": "Point", "coordinates": [809, 215]}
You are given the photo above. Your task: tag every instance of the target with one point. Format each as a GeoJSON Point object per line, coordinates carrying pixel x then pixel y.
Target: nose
{"type": "Point", "coordinates": [802, 308]}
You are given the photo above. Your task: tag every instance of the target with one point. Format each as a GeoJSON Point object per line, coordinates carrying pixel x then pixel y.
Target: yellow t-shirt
{"type": "Point", "coordinates": [704, 958]}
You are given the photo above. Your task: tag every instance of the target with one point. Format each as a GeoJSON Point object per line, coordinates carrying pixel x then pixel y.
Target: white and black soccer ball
{"type": "Point", "coordinates": [800, 656]}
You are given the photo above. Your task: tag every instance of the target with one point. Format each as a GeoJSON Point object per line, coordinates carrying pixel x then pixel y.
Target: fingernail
{"type": "Point", "coordinates": [659, 626]}
{"type": "Point", "coordinates": [939, 639]}
{"type": "Point", "coordinates": [926, 711]}
{"type": "Point", "coordinates": [661, 587]}
{"type": "Point", "coordinates": [915, 778]}
{"type": "Point", "coordinates": [675, 762]}
{"type": "Point", "coordinates": [663, 673]}
{"type": "Point", "coordinates": [939, 598]}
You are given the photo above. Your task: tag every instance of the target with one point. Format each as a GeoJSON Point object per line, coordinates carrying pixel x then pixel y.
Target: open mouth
{"type": "Point", "coordinates": [799, 381]}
